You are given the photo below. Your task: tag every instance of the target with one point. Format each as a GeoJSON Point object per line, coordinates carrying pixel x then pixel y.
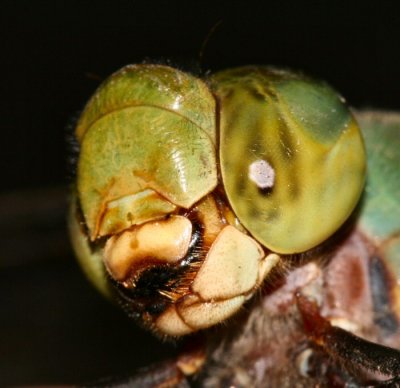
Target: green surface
{"type": "Point", "coordinates": [148, 127]}
{"type": "Point", "coordinates": [307, 135]}
{"type": "Point", "coordinates": [153, 85]}
{"type": "Point", "coordinates": [380, 214]}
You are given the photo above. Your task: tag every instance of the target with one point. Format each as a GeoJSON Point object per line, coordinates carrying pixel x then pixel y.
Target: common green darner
{"type": "Point", "coordinates": [193, 196]}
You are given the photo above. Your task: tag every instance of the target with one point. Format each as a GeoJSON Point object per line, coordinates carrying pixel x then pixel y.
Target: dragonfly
{"type": "Point", "coordinates": [250, 212]}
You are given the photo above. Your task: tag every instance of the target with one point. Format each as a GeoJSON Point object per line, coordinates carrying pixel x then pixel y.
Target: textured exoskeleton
{"type": "Point", "coordinates": [188, 192]}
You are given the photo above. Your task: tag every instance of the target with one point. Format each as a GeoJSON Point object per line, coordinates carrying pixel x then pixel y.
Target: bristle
{"type": "Point", "coordinates": [73, 147]}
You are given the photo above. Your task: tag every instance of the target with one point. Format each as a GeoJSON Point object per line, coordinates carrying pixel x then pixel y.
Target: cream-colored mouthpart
{"type": "Point", "coordinates": [233, 269]}
{"type": "Point", "coordinates": [166, 240]}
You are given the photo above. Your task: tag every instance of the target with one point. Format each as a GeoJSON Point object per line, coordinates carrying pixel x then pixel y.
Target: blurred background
{"type": "Point", "coordinates": [54, 328]}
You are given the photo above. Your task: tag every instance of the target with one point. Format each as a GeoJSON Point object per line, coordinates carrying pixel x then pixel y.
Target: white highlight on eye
{"type": "Point", "coordinates": [262, 174]}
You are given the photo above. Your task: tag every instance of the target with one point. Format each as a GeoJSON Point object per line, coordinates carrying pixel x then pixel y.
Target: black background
{"type": "Point", "coordinates": [55, 53]}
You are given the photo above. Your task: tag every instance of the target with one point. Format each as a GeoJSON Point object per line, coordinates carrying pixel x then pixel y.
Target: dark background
{"type": "Point", "coordinates": [53, 326]}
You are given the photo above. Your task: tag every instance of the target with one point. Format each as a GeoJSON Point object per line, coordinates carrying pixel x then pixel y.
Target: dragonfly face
{"type": "Point", "coordinates": [190, 192]}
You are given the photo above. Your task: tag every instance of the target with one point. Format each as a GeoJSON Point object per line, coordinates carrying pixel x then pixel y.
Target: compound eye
{"type": "Point", "coordinates": [292, 156]}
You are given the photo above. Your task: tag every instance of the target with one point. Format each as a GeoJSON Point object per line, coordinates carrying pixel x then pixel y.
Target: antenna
{"type": "Point", "coordinates": [207, 39]}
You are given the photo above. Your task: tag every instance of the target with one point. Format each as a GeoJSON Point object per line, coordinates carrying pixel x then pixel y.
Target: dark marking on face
{"type": "Point", "coordinates": [257, 95]}
{"type": "Point", "coordinates": [294, 191]}
{"type": "Point", "coordinates": [266, 192]}
{"type": "Point", "coordinates": [269, 90]}
{"type": "Point", "coordinates": [147, 290]}
{"type": "Point", "coordinates": [286, 147]}
{"type": "Point", "coordinates": [286, 143]}
{"type": "Point", "coordinates": [144, 296]}
{"type": "Point", "coordinates": [252, 212]}
{"type": "Point", "coordinates": [195, 244]}
{"type": "Point", "coordinates": [270, 216]}
{"type": "Point", "coordinates": [240, 185]}
{"type": "Point", "coordinates": [273, 215]}
{"type": "Point", "coordinates": [157, 308]}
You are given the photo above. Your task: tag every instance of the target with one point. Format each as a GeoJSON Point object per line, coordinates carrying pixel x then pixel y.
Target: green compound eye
{"type": "Point", "coordinates": [292, 157]}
